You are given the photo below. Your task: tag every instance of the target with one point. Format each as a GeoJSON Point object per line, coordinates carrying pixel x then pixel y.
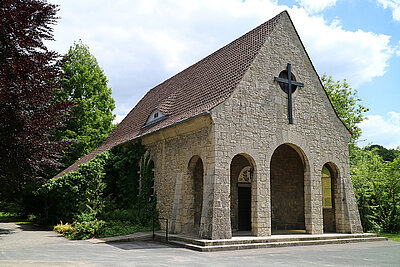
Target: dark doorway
{"type": "Point", "coordinates": [193, 201]}
{"type": "Point", "coordinates": [198, 194]}
{"type": "Point", "coordinates": [241, 172]}
{"type": "Point", "coordinates": [287, 189]}
{"type": "Point", "coordinates": [244, 208]}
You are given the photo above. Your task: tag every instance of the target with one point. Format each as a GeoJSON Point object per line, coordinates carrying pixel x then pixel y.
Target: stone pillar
{"type": "Point", "coordinates": [261, 203]}
{"type": "Point", "coordinates": [206, 223]}
{"type": "Point", "coordinates": [221, 228]}
{"type": "Point", "coordinates": [175, 218]}
{"type": "Point", "coordinates": [312, 202]}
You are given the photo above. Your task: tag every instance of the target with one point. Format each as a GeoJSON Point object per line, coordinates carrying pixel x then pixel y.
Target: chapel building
{"type": "Point", "coordinates": [246, 139]}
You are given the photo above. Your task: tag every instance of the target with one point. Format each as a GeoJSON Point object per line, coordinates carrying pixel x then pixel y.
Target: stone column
{"type": "Point", "coordinates": [261, 203]}
{"type": "Point", "coordinates": [221, 228]}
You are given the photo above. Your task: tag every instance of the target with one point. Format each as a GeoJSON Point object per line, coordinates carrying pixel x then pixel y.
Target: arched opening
{"type": "Point", "coordinates": [287, 189]}
{"type": "Point", "coordinates": [196, 182]}
{"type": "Point", "coordinates": [328, 183]}
{"type": "Point", "coordinates": [241, 175]}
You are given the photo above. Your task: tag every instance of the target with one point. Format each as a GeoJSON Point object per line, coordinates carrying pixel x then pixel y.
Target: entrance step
{"type": "Point", "coordinates": [249, 242]}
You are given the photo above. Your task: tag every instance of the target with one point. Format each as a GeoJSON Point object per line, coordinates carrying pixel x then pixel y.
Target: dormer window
{"type": "Point", "coordinates": [155, 115]}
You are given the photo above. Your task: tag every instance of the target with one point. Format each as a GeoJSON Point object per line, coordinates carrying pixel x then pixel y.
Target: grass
{"type": "Point", "coordinates": [9, 217]}
{"type": "Point", "coordinates": [392, 237]}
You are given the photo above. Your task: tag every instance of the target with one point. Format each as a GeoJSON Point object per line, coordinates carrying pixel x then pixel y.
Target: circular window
{"type": "Point", "coordinates": [285, 86]}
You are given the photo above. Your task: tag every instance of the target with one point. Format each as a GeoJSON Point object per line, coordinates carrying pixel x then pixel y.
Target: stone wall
{"type": "Point", "coordinates": [287, 190]}
{"type": "Point", "coordinates": [177, 155]}
{"type": "Point", "coordinates": [254, 121]}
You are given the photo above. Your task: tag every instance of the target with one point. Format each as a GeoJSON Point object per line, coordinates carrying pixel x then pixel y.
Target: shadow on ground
{"type": "Point", "coordinates": [6, 231]}
{"type": "Point", "coordinates": [136, 245]}
{"type": "Point", "coordinates": [33, 227]}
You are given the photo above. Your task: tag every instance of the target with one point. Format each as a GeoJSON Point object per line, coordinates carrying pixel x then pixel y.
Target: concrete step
{"type": "Point", "coordinates": [269, 239]}
{"type": "Point", "coordinates": [254, 242]}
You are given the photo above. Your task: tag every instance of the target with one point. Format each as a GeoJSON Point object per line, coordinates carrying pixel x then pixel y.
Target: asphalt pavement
{"type": "Point", "coordinates": [27, 245]}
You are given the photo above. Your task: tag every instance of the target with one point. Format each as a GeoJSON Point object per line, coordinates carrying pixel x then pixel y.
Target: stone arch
{"type": "Point", "coordinates": [289, 181]}
{"type": "Point", "coordinates": [242, 175]}
{"type": "Point", "coordinates": [329, 182]}
{"type": "Point", "coordinates": [193, 200]}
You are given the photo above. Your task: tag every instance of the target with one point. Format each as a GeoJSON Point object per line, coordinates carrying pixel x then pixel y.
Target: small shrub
{"type": "Point", "coordinates": [63, 228]}
{"type": "Point", "coordinates": [85, 230]}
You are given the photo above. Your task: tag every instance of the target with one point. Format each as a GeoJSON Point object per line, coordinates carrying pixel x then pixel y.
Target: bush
{"type": "Point", "coordinates": [102, 196]}
{"type": "Point", "coordinates": [85, 230]}
{"type": "Point", "coordinates": [75, 193]}
{"type": "Point", "coordinates": [63, 228]}
{"type": "Point", "coordinates": [115, 228]}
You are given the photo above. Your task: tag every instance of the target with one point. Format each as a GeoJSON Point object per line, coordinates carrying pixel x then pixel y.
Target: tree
{"type": "Point", "coordinates": [386, 154]}
{"type": "Point", "coordinates": [85, 84]}
{"type": "Point", "coordinates": [377, 189]}
{"type": "Point", "coordinates": [29, 76]}
{"type": "Point", "coordinates": [346, 103]}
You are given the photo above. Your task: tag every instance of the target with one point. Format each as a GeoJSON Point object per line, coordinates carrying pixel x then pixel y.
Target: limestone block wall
{"type": "Point", "coordinates": [254, 121]}
{"type": "Point", "coordinates": [287, 190]}
{"type": "Point", "coordinates": [172, 151]}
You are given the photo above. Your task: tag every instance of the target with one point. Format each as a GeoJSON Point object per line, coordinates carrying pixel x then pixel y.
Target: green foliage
{"type": "Point", "coordinates": [115, 228]}
{"type": "Point", "coordinates": [377, 189]}
{"type": "Point", "coordinates": [392, 237]}
{"type": "Point", "coordinates": [122, 177]}
{"type": "Point", "coordinates": [386, 154]}
{"type": "Point", "coordinates": [104, 195]}
{"type": "Point", "coordinates": [85, 84]}
{"type": "Point", "coordinates": [147, 199]}
{"type": "Point", "coordinates": [85, 230]}
{"type": "Point", "coordinates": [77, 192]}
{"type": "Point", "coordinates": [346, 103]}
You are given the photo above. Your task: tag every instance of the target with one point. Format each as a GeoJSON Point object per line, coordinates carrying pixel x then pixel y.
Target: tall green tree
{"type": "Point", "coordinates": [347, 104]}
{"type": "Point", "coordinates": [85, 84]}
{"type": "Point", "coordinates": [29, 78]}
{"type": "Point", "coordinates": [377, 189]}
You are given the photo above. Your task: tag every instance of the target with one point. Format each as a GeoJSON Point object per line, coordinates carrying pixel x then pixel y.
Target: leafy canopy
{"type": "Point", "coordinates": [377, 189]}
{"type": "Point", "coordinates": [346, 103]}
{"type": "Point", "coordinates": [85, 84]}
{"type": "Point", "coordinates": [29, 112]}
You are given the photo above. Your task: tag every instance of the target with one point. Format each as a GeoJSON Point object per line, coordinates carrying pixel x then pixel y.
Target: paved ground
{"type": "Point", "coordinates": [24, 245]}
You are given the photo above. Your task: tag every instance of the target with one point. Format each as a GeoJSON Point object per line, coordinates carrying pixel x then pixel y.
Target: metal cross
{"type": "Point", "coordinates": [290, 82]}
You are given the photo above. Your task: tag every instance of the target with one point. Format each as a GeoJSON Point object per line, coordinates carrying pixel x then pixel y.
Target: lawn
{"type": "Point", "coordinates": [393, 237]}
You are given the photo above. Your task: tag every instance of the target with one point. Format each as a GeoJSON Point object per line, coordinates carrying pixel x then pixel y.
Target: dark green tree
{"type": "Point", "coordinates": [85, 84]}
{"type": "Point", "coordinates": [386, 154]}
{"type": "Point", "coordinates": [346, 103]}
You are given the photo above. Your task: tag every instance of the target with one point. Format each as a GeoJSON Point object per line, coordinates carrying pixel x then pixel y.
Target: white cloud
{"type": "Point", "coordinates": [315, 6]}
{"type": "Point", "coordinates": [381, 130]}
{"type": "Point", "coordinates": [394, 5]}
{"type": "Point", "coordinates": [357, 56]}
{"type": "Point", "coordinates": [118, 118]}
{"type": "Point", "coordinates": [141, 43]}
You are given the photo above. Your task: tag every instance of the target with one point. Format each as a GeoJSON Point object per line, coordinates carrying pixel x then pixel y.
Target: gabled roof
{"type": "Point", "coordinates": [195, 90]}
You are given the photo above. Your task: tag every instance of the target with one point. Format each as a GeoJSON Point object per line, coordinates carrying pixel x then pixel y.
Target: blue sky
{"type": "Point", "coordinates": [143, 42]}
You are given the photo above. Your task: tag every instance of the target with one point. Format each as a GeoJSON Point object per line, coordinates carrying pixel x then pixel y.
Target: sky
{"type": "Point", "coordinates": [141, 43]}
